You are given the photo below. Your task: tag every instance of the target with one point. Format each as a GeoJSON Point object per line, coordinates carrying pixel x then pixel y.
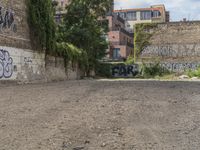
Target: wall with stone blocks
{"type": "Point", "coordinates": [14, 31]}
{"type": "Point", "coordinates": [21, 65]}
{"type": "Point", "coordinates": [56, 70]}
{"type": "Point", "coordinates": [175, 45]}
{"type": "Point", "coordinates": [17, 61]}
{"type": "Point", "coordinates": [29, 66]}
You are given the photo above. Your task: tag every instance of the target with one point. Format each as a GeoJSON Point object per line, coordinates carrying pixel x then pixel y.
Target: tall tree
{"type": "Point", "coordinates": [82, 28]}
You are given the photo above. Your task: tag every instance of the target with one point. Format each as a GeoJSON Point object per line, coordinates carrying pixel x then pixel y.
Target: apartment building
{"type": "Point", "coordinates": [120, 40]}
{"type": "Point", "coordinates": [153, 14]}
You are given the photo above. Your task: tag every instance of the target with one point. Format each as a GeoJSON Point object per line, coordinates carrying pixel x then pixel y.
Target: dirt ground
{"type": "Point", "coordinates": [100, 115]}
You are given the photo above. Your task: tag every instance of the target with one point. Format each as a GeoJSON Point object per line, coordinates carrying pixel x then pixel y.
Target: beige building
{"type": "Point", "coordinates": [156, 13]}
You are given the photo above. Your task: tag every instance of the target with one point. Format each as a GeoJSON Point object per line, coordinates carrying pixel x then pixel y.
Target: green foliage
{"type": "Point", "coordinates": [81, 27]}
{"type": "Point", "coordinates": [129, 61]}
{"type": "Point", "coordinates": [41, 23]}
{"type": "Point", "coordinates": [153, 70]}
{"type": "Point", "coordinates": [194, 73]}
{"type": "Point", "coordinates": [97, 8]}
{"type": "Point", "coordinates": [105, 25]}
{"type": "Point", "coordinates": [73, 54]}
{"type": "Point", "coordinates": [79, 37]}
{"type": "Point", "coordinates": [104, 70]}
{"type": "Point", "coordinates": [142, 37]}
{"type": "Point", "coordinates": [54, 3]}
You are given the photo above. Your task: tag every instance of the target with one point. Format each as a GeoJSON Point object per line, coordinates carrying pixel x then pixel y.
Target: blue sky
{"type": "Point", "coordinates": [179, 9]}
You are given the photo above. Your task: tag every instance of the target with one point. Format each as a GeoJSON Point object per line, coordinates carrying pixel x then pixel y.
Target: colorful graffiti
{"type": "Point", "coordinates": [125, 71]}
{"type": "Point", "coordinates": [6, 64]}
{"type": "Point", "coordinates": [7, 20]}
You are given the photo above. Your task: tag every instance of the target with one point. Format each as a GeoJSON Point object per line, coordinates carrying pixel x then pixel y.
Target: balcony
{"type": "Point", "coordinates": [122, 43]}
{"type": "Point", "coordinates": [121, 30]}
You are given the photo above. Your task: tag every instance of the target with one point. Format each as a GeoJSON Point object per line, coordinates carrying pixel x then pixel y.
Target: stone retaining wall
{"type": "Point", "coordinates": [176, 45]}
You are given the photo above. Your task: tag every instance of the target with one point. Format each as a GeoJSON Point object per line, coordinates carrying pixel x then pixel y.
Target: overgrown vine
{"type": "Point", "coordinates": [73, 54]}
{"type": "Point", "coordinates": [142, 36]}
{"type": "Point", "coordinates": [41, 24]}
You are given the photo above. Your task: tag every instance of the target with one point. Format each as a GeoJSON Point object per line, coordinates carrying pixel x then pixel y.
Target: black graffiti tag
{"type": "Point", "coordinates": [7, 20]}
{"type": "Point", "coordinates": [6, 64]}
{"type": "Point", "coordinates": [124, 71]}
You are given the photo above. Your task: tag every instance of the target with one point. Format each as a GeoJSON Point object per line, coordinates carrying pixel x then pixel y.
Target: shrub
{"type": "Point", "coordinates": [153, 70]}
{"type": "Point", "coordinates": [194, 73]}
{"type": "Point", "coordinates": [73, 54]}
{"type": "Point", "coordinates": [103, 70]}
{"type": "Point", "coordinates": [130, 60]}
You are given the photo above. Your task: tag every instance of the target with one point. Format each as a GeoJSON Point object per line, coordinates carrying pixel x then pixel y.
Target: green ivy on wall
{"type": "Point", "coordinates": [41, 24]}
{"type": "Point", "coordinates": [73, 54]}
{"type": "Point", "coordinates": [142, 36]}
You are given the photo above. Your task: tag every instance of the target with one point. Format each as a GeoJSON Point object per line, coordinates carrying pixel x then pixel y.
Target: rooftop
{"type": "Point", "coordinates": [151, 8]}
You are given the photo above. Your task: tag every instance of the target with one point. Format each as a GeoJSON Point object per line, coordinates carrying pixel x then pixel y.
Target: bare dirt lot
{"type": "Point", "coordinates": [101, 115]}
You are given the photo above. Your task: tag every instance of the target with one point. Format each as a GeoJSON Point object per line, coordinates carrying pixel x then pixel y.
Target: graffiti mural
{"type": "Point", "coordinates": [7, 20]}
{"type": "Point", "coordinates": [180, 67]}
{"type": "Point", "coordinates": [125, 71]}
{"type": "Point", "coordinates": [172, 50]}
{"type": "Point", "coordinates": [6, 64]}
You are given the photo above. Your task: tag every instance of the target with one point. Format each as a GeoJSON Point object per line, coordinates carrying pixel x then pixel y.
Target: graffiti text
{"type": "Point", "coordinates": [125, 71]}
{"type": "Point", "coordinates": [6, 64]}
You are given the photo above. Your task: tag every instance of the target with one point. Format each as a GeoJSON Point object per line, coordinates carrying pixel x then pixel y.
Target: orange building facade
{"type": "Point", "coordinates": [120, 40]}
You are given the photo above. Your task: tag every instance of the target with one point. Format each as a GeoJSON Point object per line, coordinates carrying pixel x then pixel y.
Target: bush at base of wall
{"type": "Point", "coordinates": [153, 70]}
{"type": "Point", "coordinates": [194, 73]}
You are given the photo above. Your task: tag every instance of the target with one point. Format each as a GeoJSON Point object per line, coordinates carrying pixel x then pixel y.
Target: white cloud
{"type": "Point", "coordinates": [179, 9]}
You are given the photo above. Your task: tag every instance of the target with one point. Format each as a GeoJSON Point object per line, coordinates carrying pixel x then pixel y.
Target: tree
{"type": "Point", "coordinates": [82, 28]}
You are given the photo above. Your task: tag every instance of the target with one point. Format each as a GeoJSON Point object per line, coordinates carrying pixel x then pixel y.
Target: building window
{"type": "Point", "coordinates": [122, 15]}
{"type": "Point", "coordinates": [145, 15]}
{"type": "Point", "coordinates": [131, 16]}
{"type": "Point", "coordinates": [156, 14]}
{"type": "Point", "coordinates": [116, 53]}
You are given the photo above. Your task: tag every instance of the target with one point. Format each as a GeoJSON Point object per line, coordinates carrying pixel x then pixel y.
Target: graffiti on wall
{"type": "Point", "coordinates": [180, 67]}
{"type": "Point", "coordinates": [6, 64]}
{"type": "Point", "coordinates": [171, 50]}
{"type": "Point", "coordinates": [7, 20]}
{"type": "Point", "coordinates": [125, 71]}
{"type": "Point", "coordinates": [28, 60]}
